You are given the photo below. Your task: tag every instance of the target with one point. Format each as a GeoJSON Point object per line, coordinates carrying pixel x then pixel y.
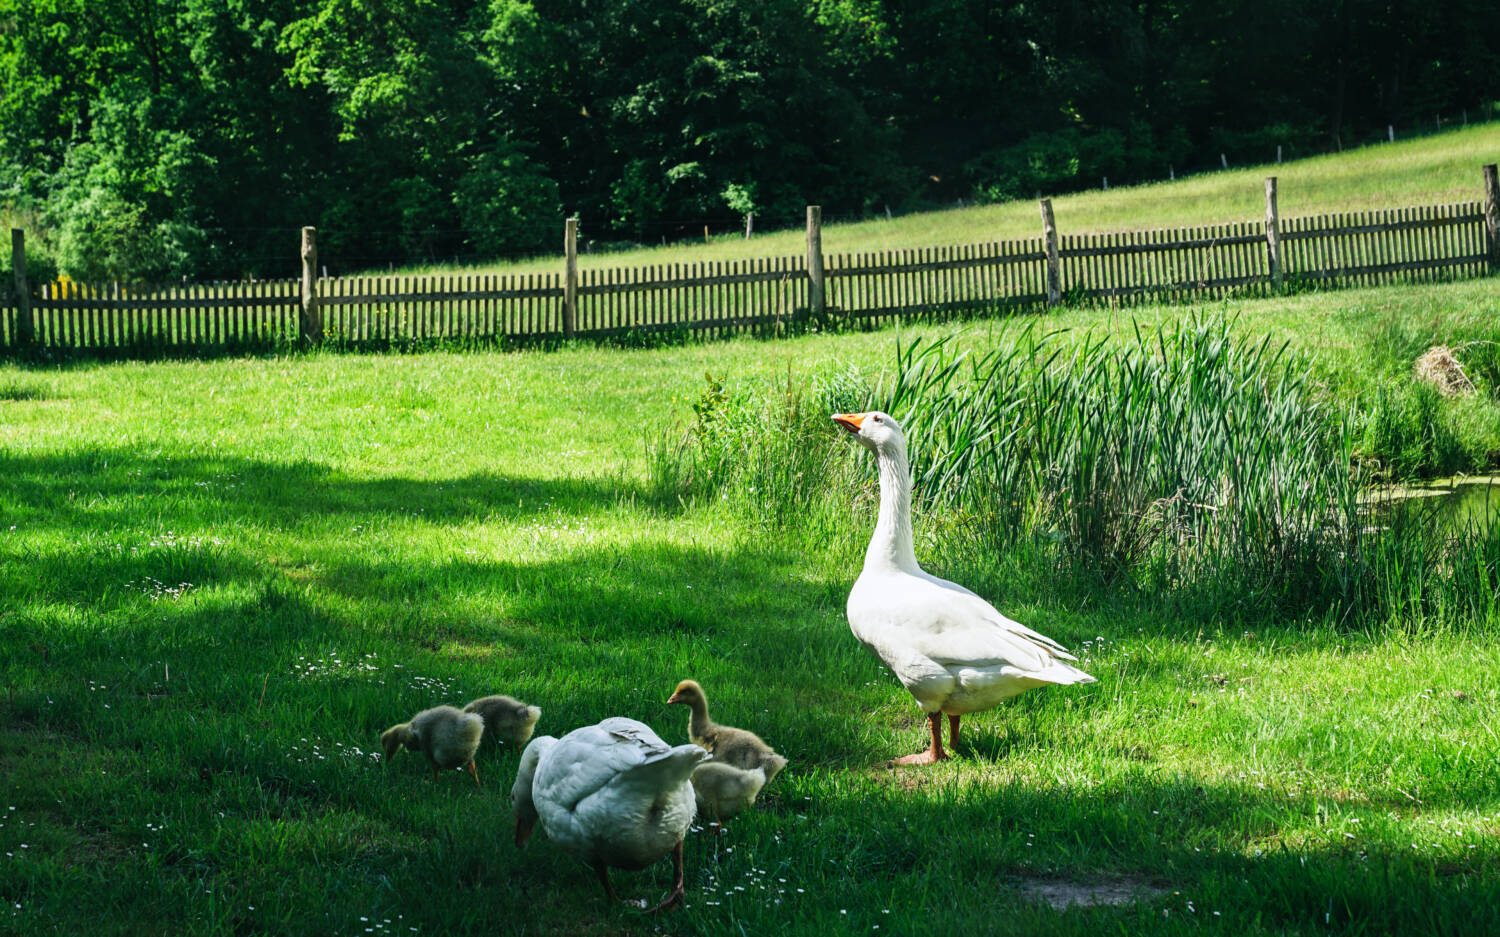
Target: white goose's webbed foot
{"type": "Point", "coordinates": [934, 752]}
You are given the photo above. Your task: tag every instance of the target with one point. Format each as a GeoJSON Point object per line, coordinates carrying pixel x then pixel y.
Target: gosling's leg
{"type": "Point", "coordinates": [934, 748]}
{"type": "Point", "coordinates": [677, 882]}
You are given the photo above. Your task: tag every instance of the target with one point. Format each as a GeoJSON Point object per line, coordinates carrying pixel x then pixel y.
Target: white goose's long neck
{"type": "Point", "coordinates": [891, 546]}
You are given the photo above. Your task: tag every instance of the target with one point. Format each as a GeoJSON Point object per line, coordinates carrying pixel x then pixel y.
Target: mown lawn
{"type": "Point", "coordinates": [222, 580]}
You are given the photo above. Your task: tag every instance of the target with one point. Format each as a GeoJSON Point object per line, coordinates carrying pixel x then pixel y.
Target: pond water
{"type": "Point", "coordinates": [1458, 502]}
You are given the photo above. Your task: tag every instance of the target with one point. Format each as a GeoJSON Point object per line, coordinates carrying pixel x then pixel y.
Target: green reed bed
{"type": "Point", "coordinates": [1190, 461]}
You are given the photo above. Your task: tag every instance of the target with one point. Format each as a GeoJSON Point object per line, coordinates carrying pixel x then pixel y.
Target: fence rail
{"type": "Point", "coordinates": [719, 298]}
{"type": "Point", "coordinates": [227, 315]}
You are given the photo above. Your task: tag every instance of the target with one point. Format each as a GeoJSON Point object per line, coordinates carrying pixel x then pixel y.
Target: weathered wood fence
{"type": "Point", "coordinates": [717, 298]}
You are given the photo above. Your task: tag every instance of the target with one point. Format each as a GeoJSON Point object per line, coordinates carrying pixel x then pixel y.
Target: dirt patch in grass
{"type": "Point", "coordinates": [1062, 894]}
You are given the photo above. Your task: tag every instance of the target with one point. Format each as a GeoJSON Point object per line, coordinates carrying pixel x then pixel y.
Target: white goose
{"type": "Point", "coordinates": [613, 794]}
{"type": "Point", "coordinates": [950, 648]}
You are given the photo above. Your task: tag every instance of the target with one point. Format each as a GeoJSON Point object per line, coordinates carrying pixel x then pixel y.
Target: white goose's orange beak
{"type": "Point", "coordinates": [850, 421]}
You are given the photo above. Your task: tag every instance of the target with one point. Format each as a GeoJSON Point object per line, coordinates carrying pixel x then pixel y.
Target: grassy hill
{"type": "Point", "coordinates": [1435, 169]}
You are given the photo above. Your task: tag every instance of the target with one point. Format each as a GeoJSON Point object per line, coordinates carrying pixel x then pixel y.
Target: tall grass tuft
{"type": "Point", "coordinates": [1411, 433]}
{"type": "Point", "coordinates": [764, 452]}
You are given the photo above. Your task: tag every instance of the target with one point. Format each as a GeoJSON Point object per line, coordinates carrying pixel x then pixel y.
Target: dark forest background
{"type": "Point", "coordinates": [152, 138]}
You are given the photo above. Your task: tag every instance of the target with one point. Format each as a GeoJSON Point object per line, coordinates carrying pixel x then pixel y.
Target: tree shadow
{"type": "Point", "coordinates": [124, 558]}
{"type": "Point", "coordinates": [100, 486]}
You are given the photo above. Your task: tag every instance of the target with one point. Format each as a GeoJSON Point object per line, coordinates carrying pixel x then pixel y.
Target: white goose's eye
{"type": "Point", "coordinates": [877, 419]}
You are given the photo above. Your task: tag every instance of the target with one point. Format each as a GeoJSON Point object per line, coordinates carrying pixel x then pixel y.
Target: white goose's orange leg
{"type": "Point", "coordinates": [935, 747]}
{"type": "Point", "coordinates": [602, 870]}
{"type": "Point", "coordinates": [953, 731]}
{"type": "Point", "coordinates": [678, 889]}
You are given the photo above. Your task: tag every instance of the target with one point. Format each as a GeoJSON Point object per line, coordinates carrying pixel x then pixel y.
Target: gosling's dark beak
{"type": "Point", "coordinates": [523, 831]}
{"type": "Point", "coordinates": [850, 421]}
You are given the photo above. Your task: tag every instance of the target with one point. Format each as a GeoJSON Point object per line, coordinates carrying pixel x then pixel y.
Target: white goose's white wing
{"type": "Point", "coordinates": [586, 760]}
{"type": "Point", "coordinates": [615, 792]}
{"type": "Point", "coordinates": [981, 609]}
{"type": "Point", "coordinates": [951, 649]}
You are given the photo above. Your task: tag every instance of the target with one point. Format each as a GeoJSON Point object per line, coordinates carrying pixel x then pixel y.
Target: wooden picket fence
{"type": "Point", "coordinates": [767, 295]}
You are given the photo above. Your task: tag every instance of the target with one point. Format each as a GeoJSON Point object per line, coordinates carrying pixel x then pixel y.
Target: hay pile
{"type": "Point", "coordinates": [1442, 370]}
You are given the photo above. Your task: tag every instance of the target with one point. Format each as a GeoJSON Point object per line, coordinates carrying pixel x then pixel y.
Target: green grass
{"type": "Point", "coordinates": [1430, 170]}
{"type": "Point", "coordinates": [224, 579]}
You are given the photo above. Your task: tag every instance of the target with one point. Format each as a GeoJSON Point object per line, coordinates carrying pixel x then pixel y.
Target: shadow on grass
{"type": "Point", "coordinates": [1208, 847]}
{"type": "Point", "coordinates": [237, 568]}
{"type": "Point", "coordinates": [108, 488]}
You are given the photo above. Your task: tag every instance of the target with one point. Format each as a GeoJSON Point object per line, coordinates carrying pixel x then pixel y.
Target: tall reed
{"type": "Point", "coordinates": [1175, 459]}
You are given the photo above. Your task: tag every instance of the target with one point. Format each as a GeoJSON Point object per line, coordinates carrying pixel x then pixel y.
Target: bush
{"type": "Point", "coordinates": [1071, 159]}
{"type": "Point", "coordinates": [104, 238]}
{"type": "Point", "coordinates": [41, 266]}
{"type": "Point", "coordinates": [507, 203]}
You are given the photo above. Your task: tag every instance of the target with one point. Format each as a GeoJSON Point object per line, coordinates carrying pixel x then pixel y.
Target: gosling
{"type": "Point", "coordinates": [739, 748]}
{"type": "Point", "coordinates": [723, 791]}
{"type": "Point", "coordinates": [448, 737]}
{"type": "Point", "coordinates": [505, 719]}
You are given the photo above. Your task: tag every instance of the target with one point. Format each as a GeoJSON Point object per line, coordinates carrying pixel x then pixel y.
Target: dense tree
{"type": "Point", "coordinates": [193, 137]}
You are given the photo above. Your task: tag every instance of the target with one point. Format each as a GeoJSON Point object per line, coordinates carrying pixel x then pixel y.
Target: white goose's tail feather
{"type": "Point", "coordinates": [664, 770]}
{"type": "Point", "coordinates": [1063, 674]}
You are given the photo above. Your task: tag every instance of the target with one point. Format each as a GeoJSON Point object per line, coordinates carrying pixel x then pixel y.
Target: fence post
{"type": "Point", "coordinates": [1273, 235]}
{"type": "Point", "coordinates": [570, 277]}
{"type": "Point", "coordinates": [1492, 216]}
{"type": "Point", "coordinates": [1054, 265]}
{"type": "Point", "coordinates": [25, 332]}
{"type": "Point", "coordinates": [815, 295]}
{"type": "Point", "coordinates": [312, 319]}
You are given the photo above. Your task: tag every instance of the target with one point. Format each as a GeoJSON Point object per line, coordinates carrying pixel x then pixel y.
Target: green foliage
{"type": "Point", "coordinates": [197, 136]}
{"type": "Point", "coordinates": [1190, 459]}
{"type": "Point", "coordinates": [1070, 159]}
{"type": "Point", "coordinates": [41, 260]}
{"type": "Point", "coordinates": [507, 203]}
{"type": "Point", "coordinates": [106, 238]}
{"type": "Point", "coordinates": [763, 451]}
{"type": "Point", "coordinates": [740, 198]}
